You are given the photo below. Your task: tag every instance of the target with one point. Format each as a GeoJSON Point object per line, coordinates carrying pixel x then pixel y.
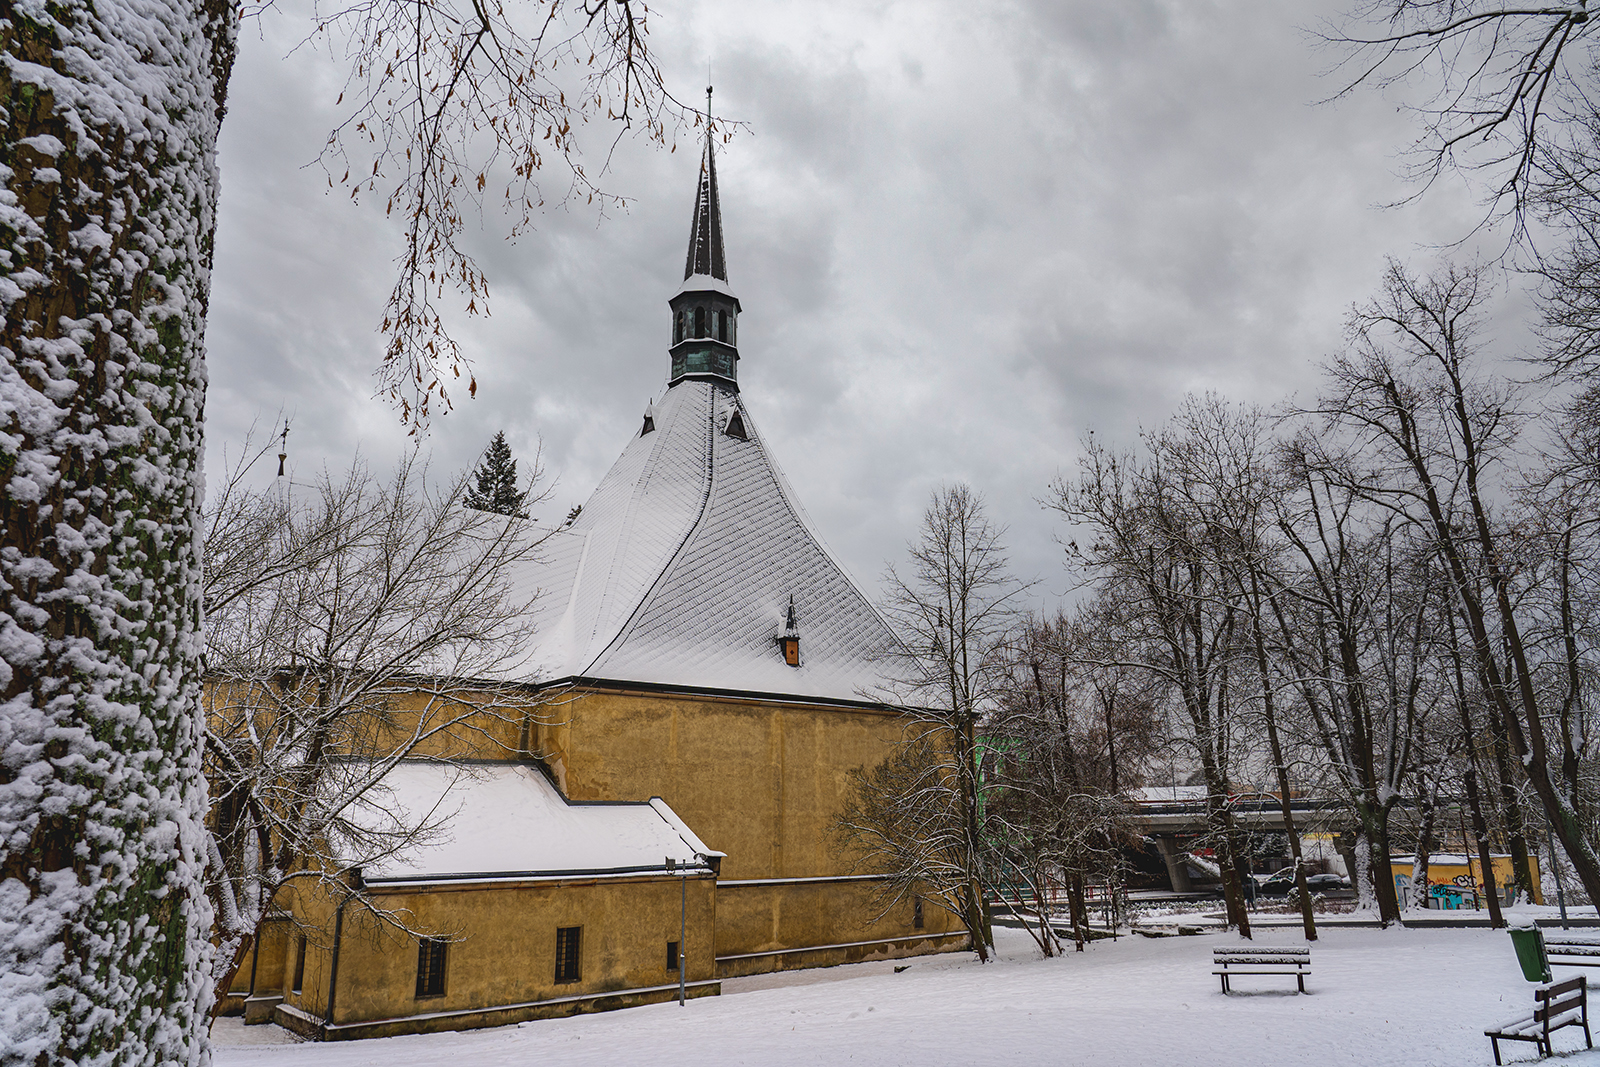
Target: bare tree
{"type": "Point", "coordinates": [1429, 436]}
{"type": "Point", "coordinates": [1163, 534]}
{"type": "Point", "coordinates": [1501, 84]}
{"type": "Point", "coordinates": [359, 623]}
{"type": "Point", "coordinates": [1263, 584]}
{"type": "Point", "coordinates": [1360, 646]}
{"type": "Point", "coordinates": [453, 101]}
{"type": "Point", "coordinates": [1506, 93]}
{"type": "Point", "coordinates": [952, 608]}
{"type": "Point", "coordinates": [1070, 735]}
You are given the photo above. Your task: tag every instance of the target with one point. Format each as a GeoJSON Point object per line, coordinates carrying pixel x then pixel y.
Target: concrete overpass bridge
{"type": "Point", "coordinates": [1172, 813]}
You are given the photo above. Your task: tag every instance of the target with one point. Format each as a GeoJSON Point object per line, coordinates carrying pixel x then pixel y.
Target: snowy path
{"type": "Point", "coordinates": [1411, 997]}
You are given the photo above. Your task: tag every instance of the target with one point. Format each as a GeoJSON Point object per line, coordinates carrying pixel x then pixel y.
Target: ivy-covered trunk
{"type": "Point", "coordinates": [107, 156]}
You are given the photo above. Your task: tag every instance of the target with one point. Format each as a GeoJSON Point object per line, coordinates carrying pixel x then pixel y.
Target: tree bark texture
{"type": "Point", "coordinates": [107, 154]}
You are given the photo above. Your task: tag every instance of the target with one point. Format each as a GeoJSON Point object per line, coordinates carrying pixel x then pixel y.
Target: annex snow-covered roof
{"type": "Point", "coordinates": [507, 819]}
{"type": "Point", "coordinates": [680, 568]}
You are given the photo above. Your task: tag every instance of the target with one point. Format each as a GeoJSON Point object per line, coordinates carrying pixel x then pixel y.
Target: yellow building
{"type": "Point", "coordinates": [704, 678]}
{"type": "Point", "coordinates": [1456, 881]}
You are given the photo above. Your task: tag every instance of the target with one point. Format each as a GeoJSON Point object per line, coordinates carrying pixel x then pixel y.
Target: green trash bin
{"type": "Point", "coordinates": [1529, 943]}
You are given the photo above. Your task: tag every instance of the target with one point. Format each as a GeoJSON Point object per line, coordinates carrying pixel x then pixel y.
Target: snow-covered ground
{"type": "Point", "coordinates": [1404, 997]}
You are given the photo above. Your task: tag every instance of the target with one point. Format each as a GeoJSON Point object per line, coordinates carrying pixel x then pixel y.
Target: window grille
{"type": "Point", "coordinates": [300, 966]}
{"type": "Point", "coordinates": [431, 953]}
{"type": "Point", "coordinates": [568, 942]}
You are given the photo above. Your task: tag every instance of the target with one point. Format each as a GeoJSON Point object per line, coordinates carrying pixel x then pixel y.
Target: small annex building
{"type": "Point", "coordinates": [715, 669]}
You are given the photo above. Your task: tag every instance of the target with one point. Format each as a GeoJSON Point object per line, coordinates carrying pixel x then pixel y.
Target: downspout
{"type": "Point", "coordinates": [255, 958]}
{"type": "Point", "coordinates": [338, 936]}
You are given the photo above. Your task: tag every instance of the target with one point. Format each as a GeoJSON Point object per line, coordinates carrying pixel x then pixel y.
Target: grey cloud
{"type": "Point", "coordinates": [963, 235]}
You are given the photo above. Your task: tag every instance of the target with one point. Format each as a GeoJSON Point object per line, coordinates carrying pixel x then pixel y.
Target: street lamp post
{"type": "Point", "coordinates": [682, 871]}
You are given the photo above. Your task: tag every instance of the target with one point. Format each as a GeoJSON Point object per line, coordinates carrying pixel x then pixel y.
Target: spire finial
{"type": "Point", "coordinates": [283, 447]}
{"type": "Point", "coordinates": [705, 236]}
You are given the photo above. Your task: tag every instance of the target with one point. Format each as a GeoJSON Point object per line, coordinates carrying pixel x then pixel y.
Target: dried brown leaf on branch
{"type": "Point", "coordinates": [446, 93]}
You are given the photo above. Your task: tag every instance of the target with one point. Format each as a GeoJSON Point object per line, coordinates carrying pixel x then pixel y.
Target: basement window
{"type": "Point", "coordinates": [430, 967]}
{"type": "Point", "coordinates": [569, 941]}
{"type": "Point", "coordinates": [672, 955]}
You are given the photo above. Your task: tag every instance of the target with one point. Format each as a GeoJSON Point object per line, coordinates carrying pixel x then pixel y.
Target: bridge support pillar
{"type": "Point", "coordinates": [1177, 869]}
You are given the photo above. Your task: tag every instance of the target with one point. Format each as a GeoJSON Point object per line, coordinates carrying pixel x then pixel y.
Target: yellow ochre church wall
{"type": "Point", "coordinates": [768, 920]}
{"type": "Point", "coordinates": [760, 781]}
{"type": "Point", "coordinates": [313, 909]}
{"type": "Point", "coordinates": [503, 946]}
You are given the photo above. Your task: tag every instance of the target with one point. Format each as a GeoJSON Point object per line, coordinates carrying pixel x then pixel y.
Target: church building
{"type": "Point", "coordinates": [703, 680]}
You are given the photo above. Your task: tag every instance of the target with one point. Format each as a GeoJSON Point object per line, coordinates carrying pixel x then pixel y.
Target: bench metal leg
{"type": "Point", "coordinates": [1302, 980]}
{"type": "Point", "coordinates": [1495, 1041]}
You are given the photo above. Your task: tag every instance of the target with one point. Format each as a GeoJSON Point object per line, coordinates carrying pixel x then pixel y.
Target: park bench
{"type": "Point", "coordinates": [1573, 951]}
{"type": "Point", "coordinates": [1555, 1006]}
{"type": "Point", "coordinates": [1262, 960]}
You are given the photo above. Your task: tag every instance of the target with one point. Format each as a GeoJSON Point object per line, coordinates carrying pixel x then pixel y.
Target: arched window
{"type": "Point", "coordinates": [699, 322]}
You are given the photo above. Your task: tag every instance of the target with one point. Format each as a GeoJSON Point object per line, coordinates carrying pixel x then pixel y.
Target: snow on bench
{"type": "Point", "coordinates": [1262, 960]}
{"type": "Point", "coordinates": [1555, 1006]}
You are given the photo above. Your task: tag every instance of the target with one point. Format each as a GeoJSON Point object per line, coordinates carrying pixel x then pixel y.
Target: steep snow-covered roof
{"type": "Point", "coordinates": [680, 568]}
{"type": "Point", "coordinates": [506, 819]}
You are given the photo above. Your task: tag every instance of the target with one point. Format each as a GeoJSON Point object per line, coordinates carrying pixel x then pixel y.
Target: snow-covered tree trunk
{"type": "Point", "coordinates": [107, 155]}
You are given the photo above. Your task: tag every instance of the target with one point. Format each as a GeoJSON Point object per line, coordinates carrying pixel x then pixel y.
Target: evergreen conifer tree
{"type": "Point", "coordinates": [495, 481]}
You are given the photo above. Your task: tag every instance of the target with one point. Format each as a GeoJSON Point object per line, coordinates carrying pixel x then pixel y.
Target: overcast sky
{"type": "Point", "coordinates": [963, 235]}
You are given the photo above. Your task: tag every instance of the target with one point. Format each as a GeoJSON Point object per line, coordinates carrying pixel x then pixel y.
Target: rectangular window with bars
{"type": "Point", "coordinates": [672, 955]}
{"type": "Point", "coordinates": [568, 947]}
{"type": "Point", "coordinates": [916, 913]}
{"type": "Point", "coordinates": [431, 952]}
{"type": "Point", "coordinates": [299, 966]}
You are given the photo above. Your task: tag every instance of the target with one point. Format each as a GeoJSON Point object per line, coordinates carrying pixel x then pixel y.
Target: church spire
{"type": "Point", "coordinates": [705, 234]}
{"type": "Point", "coordinates": [705, 313]}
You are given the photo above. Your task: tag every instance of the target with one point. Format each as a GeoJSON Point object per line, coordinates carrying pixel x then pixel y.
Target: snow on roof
{"type": "Point", "coordinates": [702, 283]}
{"type": "Point", "coordinates": [502, 819]}
{"type": "Point", "coordinates": [679, 569]}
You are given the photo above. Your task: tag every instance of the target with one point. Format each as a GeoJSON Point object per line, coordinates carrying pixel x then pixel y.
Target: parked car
{"type": "Point", "coordinates": [1279, 883]}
